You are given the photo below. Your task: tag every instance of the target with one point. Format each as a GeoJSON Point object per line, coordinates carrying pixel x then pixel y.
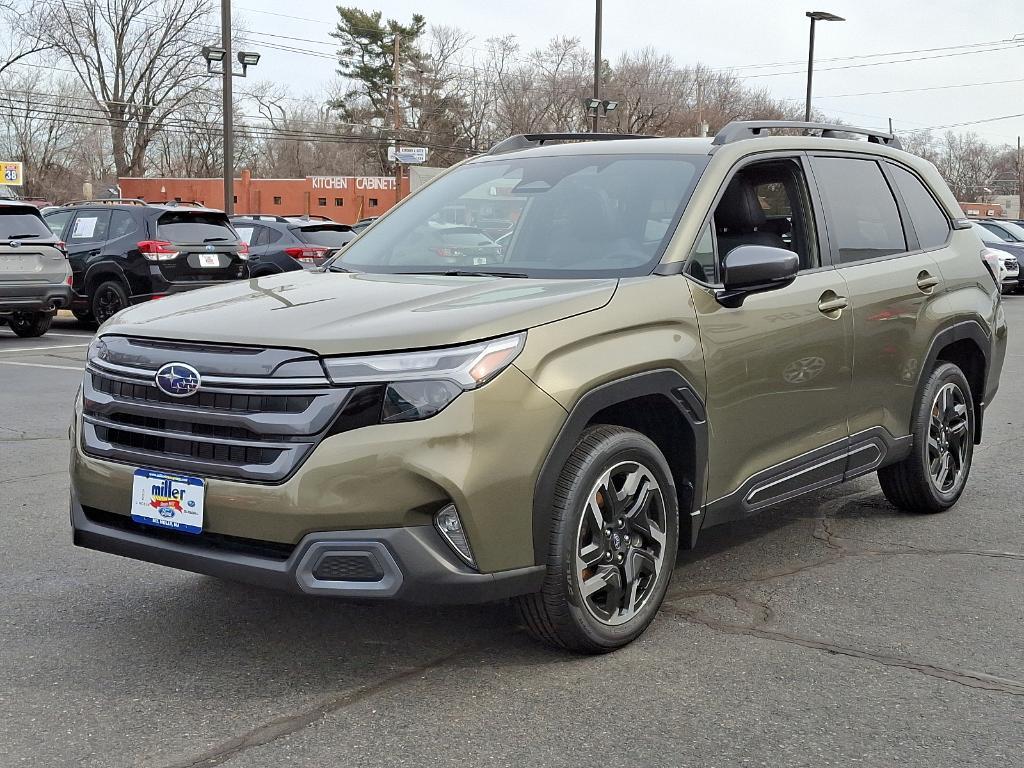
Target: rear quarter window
{"type": "Point", "coordinates": [929, 221]}
{"type": "Point", "coordinates": [19, 225]}
{"type": "Point", "coordinates": [193, 227]}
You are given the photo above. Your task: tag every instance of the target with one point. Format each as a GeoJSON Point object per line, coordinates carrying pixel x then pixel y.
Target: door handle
{"type": "Point", "coordinates": [831, 302]}
{"type": "Point", "coordinates": [926, 281]}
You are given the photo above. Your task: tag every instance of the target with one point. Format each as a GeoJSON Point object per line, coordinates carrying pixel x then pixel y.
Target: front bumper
{"type": "Point", "coordinates": [33, 297]}
{"type": "Point", "coordinates": [405, 564]}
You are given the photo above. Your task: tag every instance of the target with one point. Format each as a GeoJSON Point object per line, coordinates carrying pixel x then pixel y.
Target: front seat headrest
{"type": "Point", "coordinates": [739, 210]}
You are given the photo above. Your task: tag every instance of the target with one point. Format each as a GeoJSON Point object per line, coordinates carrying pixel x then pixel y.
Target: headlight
{"type": "Point", "coordinates": [97, 349]}
{"type": "Point", "coordinates": [421, 384]}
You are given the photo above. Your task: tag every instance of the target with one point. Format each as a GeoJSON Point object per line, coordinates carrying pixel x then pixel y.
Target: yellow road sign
{"type": "Point", "coordinates": [11, 174]}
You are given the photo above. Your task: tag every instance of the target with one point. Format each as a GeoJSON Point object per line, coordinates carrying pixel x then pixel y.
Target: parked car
{"type": "Point", "coordinates": [362, 224]}
{"type": "Point", "coordinates": [552, 425]}
{"type": "Point", "coordinates": [1010, 231]}
{"type": "Point", "coordinates": [1007, 254]}
{"type": "Point", "coordinates": [124, 252]}
{"type": "Point", "coordinates": [286, 243]}
{"type": "Point", "coordinates": [35, 277]}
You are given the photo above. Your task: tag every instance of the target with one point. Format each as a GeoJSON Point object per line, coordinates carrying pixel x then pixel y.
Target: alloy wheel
{"type": "Point", "coordinates": [108, 304]}
{"type": "Point", "coordinates": [948, 438]}
{"type": "Point", "coordinates": [620, 543]}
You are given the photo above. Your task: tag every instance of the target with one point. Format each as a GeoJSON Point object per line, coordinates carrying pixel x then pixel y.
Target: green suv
{"type": "Point", "coordinates": [671, 334]}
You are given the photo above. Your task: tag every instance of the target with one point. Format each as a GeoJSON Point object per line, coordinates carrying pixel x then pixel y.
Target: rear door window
{"type": "Point", "coordinates": [863, 220]}
{"type": "Point", "coordinates": [192, 227]}
{"type": "Point", "coordinates": [18, 226]}
{"type": "Point", "coordinates": [930, 223]}
{"type": "Point", "coordinates": [331, 237]}
{"type": "Point", "coordinates": [89, 227]}
{"type": "Point", "coordinates": [122, 223]}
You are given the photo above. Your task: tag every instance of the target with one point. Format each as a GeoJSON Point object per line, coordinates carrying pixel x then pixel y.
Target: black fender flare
{"type": "Point", "coordinates": [959, 331]}
{"type": "Point", "coordinates": [665, 381]}
{"type": "Point", "coordinates": [102, 268]}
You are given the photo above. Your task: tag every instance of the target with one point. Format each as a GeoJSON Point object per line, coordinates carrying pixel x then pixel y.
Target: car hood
{"type": "Point", "coordinates": [1013, 249]}
{"type": "Point", "coordinates": [339, 313]}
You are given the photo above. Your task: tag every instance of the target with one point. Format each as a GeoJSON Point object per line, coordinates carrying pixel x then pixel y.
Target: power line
{"type": "Point", "coordinates": [924, 88]}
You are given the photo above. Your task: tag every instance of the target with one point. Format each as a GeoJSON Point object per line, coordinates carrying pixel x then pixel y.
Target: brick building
{"type": "Point", "coordinates": [345, 199]}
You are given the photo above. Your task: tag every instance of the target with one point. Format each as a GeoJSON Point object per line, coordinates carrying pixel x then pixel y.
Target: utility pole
{"type": "Point", "coordinates": [398, 117]}
{"type": "Point", "coordinates": [597, 59]}
{"type": "Point", "coordinates": [229, 128]}
{"type": "Point", "coordinates": [1020, 183]}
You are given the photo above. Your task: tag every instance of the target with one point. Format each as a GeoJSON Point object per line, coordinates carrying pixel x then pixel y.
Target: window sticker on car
{"type": "Point", "coordinates": [84, 228]}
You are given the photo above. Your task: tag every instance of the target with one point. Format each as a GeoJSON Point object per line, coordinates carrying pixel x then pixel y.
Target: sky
{"type": "Point", "coordinates": [739, 35]}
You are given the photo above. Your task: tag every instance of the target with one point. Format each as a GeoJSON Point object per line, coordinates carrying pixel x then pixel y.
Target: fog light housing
{"type": "Point", "coordinates": [449, 526]}
{"type": "Point", "coordinates": [415, 400]}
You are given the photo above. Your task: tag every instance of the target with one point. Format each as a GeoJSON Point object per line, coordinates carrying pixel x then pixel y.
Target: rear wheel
{"type": "Point", "coordinates": [108, 299]}
{"type": "Point", "coordinates": [613, 543]}
{"type": "Point", "coordinates": [83, 315]}
{"type": "Point", "coordinates": [933, 476]}
{"type": "Point", "coordinates": [30, 324]}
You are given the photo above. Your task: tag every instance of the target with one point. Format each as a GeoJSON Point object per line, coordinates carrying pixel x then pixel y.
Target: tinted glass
{"type": "Point", "coordinates": [332, 237]}
{"type": "Point", "coordinates": [987, 236]}
{"type": "Point", "coordinates": [864, 222]}
{"type": "Point", "coordinates": [23, 226]}
{"type": "Point", "coordinates": [930, 222]}
{"type": "Point", "coordinates": [191, 227]}
{"type": "Point", "coordinates": [1011, 230]}
{"type": "Point", "coordinates": [998, 232]}
{"type": "Point", "coordinates": [575, 215]}
{"type": "Point", "coordinates": [57, 221]}
{"type": "Point", "coordinates": [121, 224]}
{"type": "Point", "coordinates": [89, 227]}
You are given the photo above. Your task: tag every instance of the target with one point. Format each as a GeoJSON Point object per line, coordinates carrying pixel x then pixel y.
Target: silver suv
{"type": "Point", "coordinates": [35, 276]}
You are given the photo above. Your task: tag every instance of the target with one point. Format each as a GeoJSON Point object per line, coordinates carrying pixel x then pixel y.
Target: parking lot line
{"type": "Point", "coordinates": [51, 333]}
{"type": "Point", "coordinates": [43, 349]}
{"type": "Point", "coordinates": [42, 365]}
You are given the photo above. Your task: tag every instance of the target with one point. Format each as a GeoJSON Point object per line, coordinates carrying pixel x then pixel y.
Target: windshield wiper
{"type": "Point", "coordinates": [26, 236]}
{"type": "Point", "coordinates": [337, 268]}
{"type": "Point", "coordinates": [467, 273]}
{"type": "Point", "coordinates": [216, 239]}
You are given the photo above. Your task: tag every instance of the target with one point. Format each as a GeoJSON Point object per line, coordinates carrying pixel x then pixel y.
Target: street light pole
{"type": "Point", "coordinates": [229, 132]}
{"type": "Point", "coordinates": [814, 16]}
{"type": "Point", "coordinates": [597, 58]}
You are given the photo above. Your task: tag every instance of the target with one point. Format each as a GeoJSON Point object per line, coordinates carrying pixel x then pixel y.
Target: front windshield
{"type": "Point", "coordinates": [1015, 230]}
{"type": "Point", "coordinates": [987, 235]}
{"type": "Point", "coordinates": [558, 216]}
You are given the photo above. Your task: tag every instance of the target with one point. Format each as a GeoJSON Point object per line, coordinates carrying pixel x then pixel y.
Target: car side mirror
{"type": "Point", "coordinates": [751, 269]}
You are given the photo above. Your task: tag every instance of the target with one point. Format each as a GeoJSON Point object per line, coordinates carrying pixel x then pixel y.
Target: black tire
{"type": "Point", "coordinates": [912, 484]}
{"type": "Point", "coordinates": [559, 614]}
{"type": "Point", "coordinates": [83, 315]}
{"type": "Point", "coordinates": [108, 298]}
{"type": "Point", "coordinates": [29, 325]}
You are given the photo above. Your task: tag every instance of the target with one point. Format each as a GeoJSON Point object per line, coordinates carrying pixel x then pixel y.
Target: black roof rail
{"type": "Point", "coordinates": [107, 201]}
{"type": "Point", "coordinates": [307, 217]}
{"type": "Point", "coordinates": [529, 140]}
{"type": "Point", "coordinates": [738, 130]}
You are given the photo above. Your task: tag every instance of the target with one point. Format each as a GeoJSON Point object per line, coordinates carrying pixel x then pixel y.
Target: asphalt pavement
{"type": "Point", "coordinates": [834, 631]}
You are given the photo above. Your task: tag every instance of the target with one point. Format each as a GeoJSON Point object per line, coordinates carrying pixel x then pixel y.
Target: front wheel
{"type": "Point", "coordinates": [29, 325]}
{"type": "Point", "coordinates": [933, 476]}
{"type": "Point", "coordinates": [614, 536]}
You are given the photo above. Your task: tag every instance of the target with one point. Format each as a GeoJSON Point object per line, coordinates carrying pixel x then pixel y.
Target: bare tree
{"type": "Point", "coordinates": [23, 25]}
{"type": "Point", "coordinates": [139, 59]}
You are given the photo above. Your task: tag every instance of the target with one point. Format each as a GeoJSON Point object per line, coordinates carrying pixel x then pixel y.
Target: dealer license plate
{"type": "Point", "coordinates": [209, 260]}
{"type": "Point", "coordinates": [168, 501]}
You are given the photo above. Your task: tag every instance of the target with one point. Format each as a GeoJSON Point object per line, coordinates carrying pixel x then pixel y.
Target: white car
{"type": "Point", "coordinates": [1003, 256]}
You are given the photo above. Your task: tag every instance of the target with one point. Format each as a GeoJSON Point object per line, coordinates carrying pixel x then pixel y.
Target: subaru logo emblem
{"type": "Point", "coordinates": [178, 380]}
{"type": "Point", "coordinates": [15, 243]}
{"type": "Point", "coordinates": [209, 248]}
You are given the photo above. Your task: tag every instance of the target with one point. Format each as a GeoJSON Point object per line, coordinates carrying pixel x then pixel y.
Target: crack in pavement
{"type": "Point", "coordinates": [296, 721]}
{"type": "Point", "coordinates": [839, 548]}
{"type": "Point", "coordinates": [978, 680]}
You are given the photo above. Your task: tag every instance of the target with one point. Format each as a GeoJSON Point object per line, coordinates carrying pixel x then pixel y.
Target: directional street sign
{"type": "Point", "coordinates": [11, 174]}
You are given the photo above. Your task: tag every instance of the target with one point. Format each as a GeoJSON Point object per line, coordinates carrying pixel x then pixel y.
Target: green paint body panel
{"type": "Point", "coordinates": [777, 377]}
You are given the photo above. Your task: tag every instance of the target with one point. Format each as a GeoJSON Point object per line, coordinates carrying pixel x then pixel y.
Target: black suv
{"type": "Point", "coordinates": [287, 243]}
{"type": "Point", "coordinates": [123, 252]}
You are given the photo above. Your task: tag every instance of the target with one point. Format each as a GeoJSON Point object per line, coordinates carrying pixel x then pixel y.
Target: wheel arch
{"type": "Point", "coordinates": [966, 345]}
{"type": "Point", "coordinates": [660, 404]}
{"type": "Point", "coordinates": [100, 273]}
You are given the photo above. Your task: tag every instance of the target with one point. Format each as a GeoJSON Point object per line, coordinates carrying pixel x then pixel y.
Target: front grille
{"type": "Point", "coordinates": [1010, 263]}
{"type": "Point", "coordinates": [244, 422]}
